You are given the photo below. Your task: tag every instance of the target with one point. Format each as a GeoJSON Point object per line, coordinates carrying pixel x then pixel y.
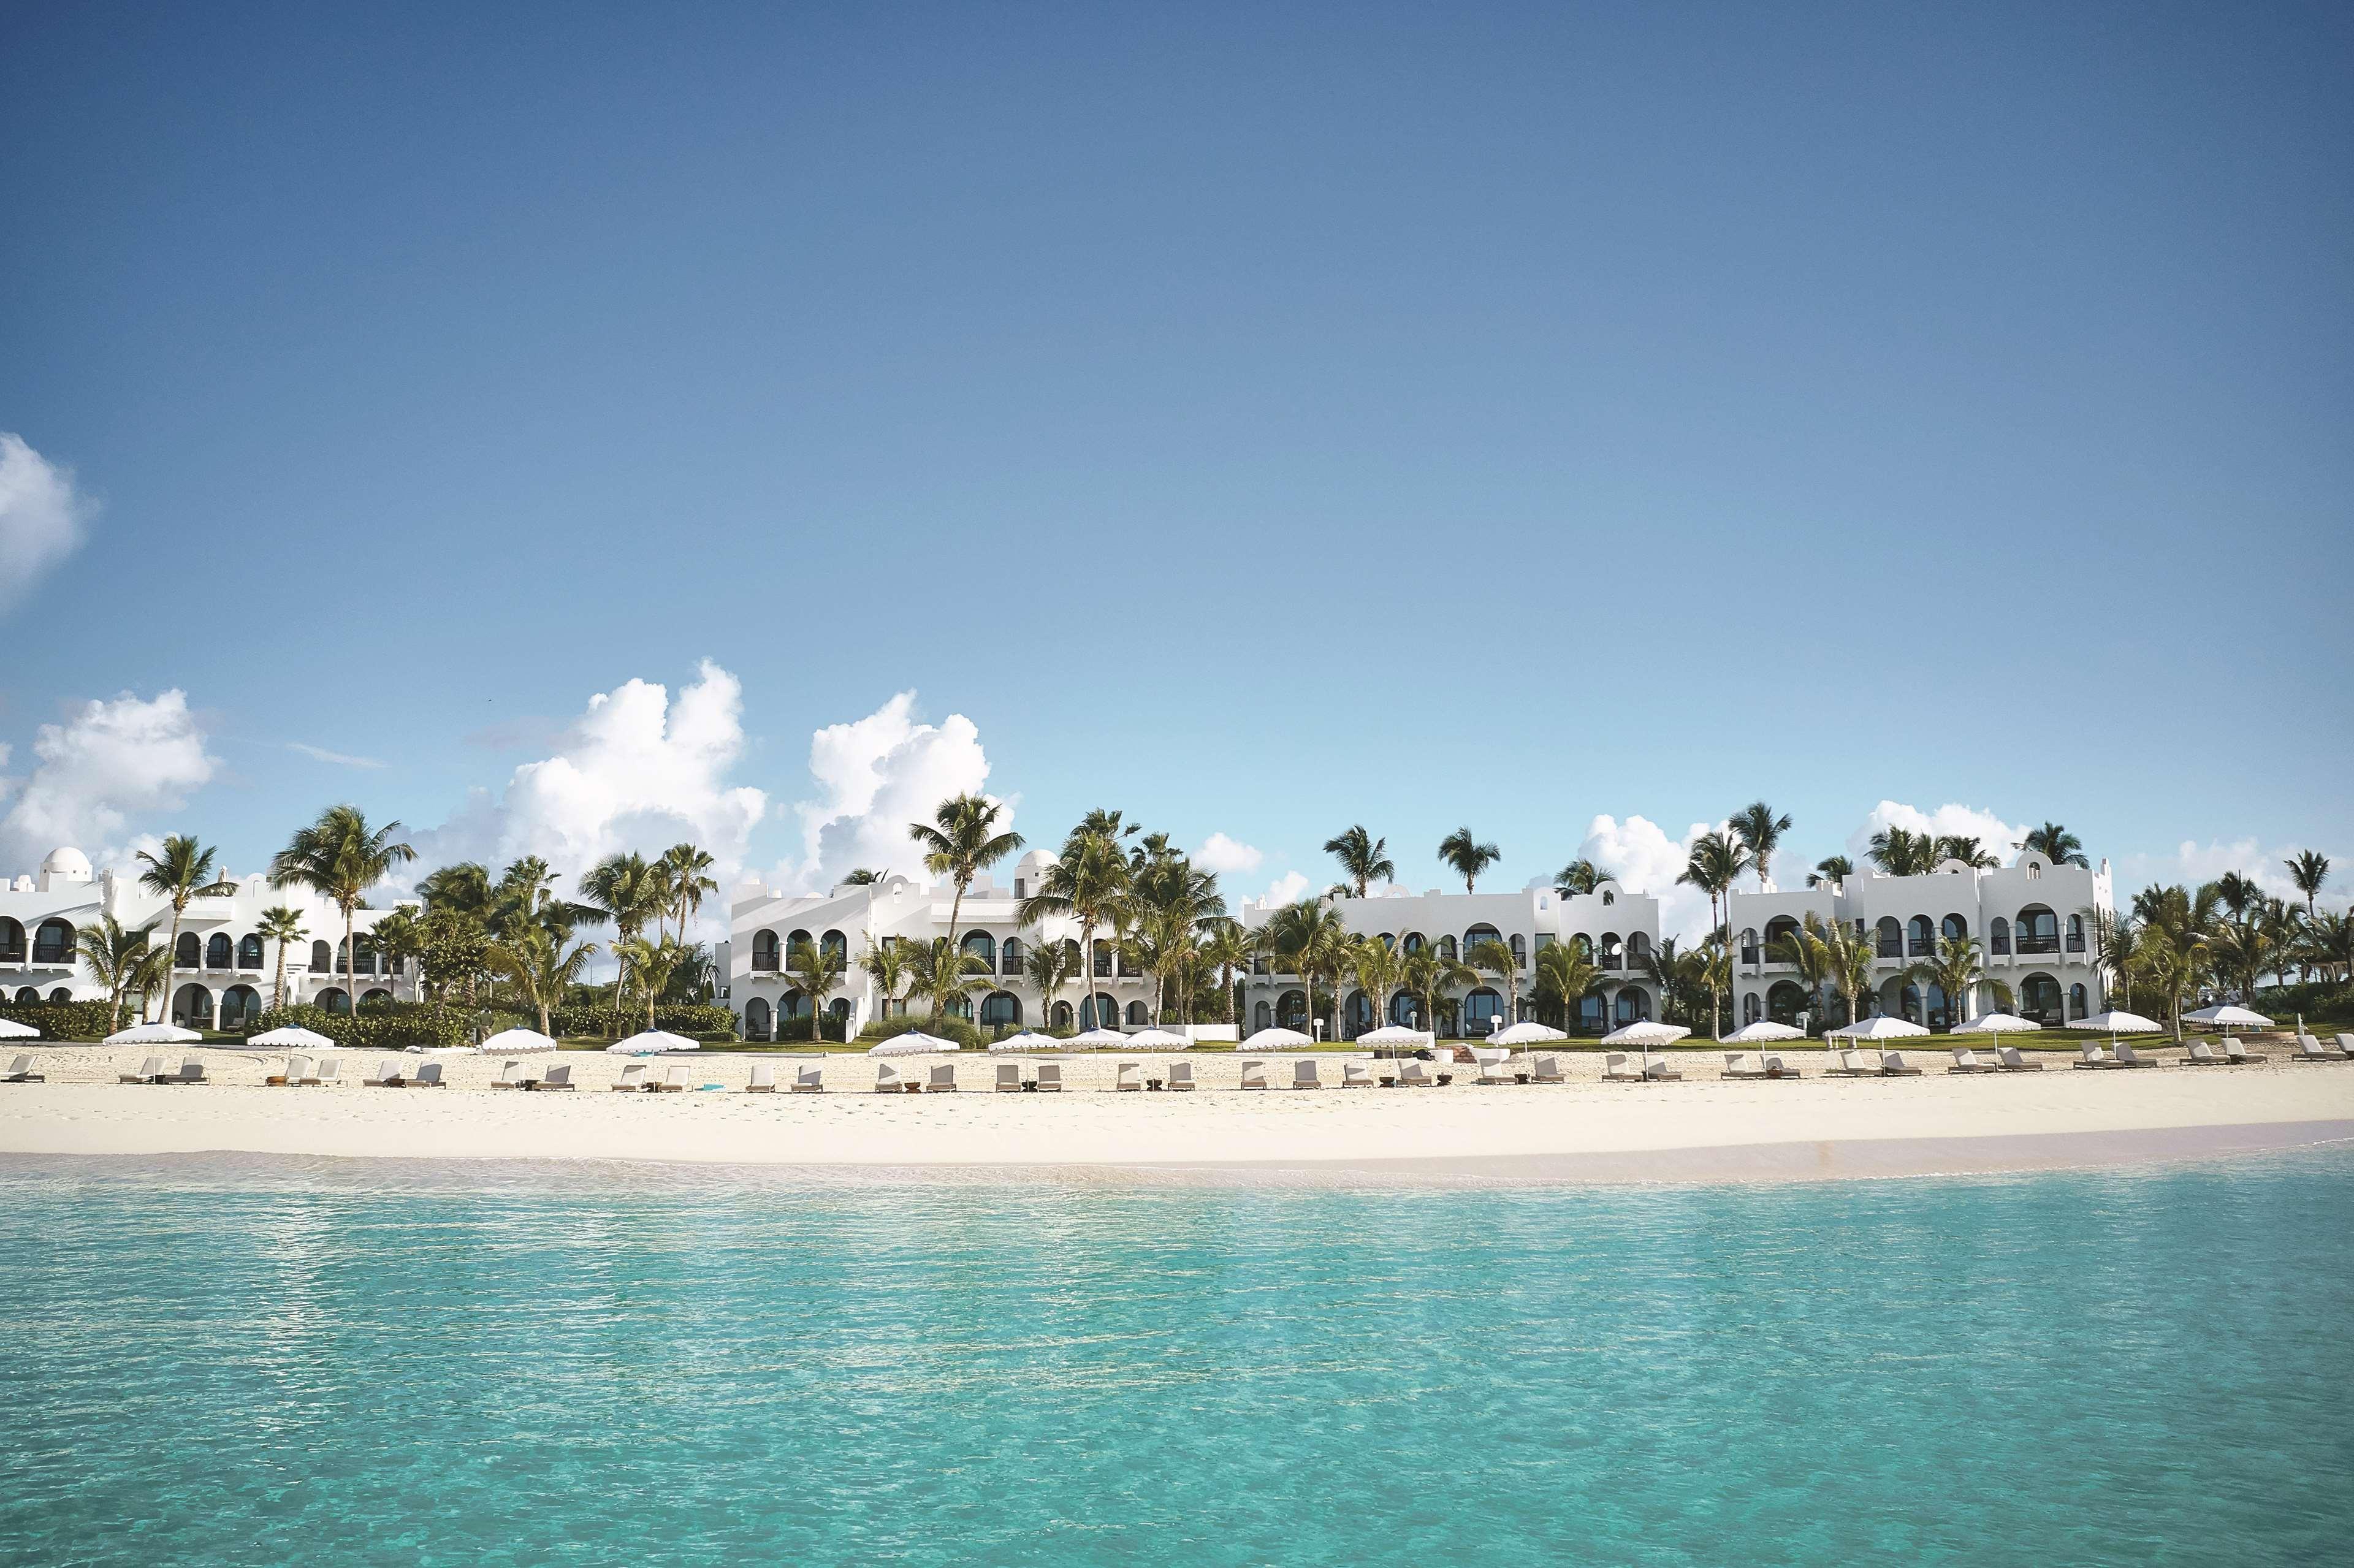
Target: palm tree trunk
{"type": "Point", "coordinates": [171, 968]}
{"type": "Point", "coordinates": [278, 986]}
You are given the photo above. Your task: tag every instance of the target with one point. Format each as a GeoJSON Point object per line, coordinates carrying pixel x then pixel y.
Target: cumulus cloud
{"type": "Point", "coordinates": [42, 517]}
{"type": "Point", "coordinates": [1998, 837]}
{"type": "Point", "coordinates": [321, 754]}
{"type": "Point", "coordinates": [1227, 856]}
{"type": "Point", "coordinates": [1289, 888]}
{"type": "Point", "coordinates": [640, 770]}
{"type": "Point", "coordinates": [1644, 859]}
{"type": "Point", "coordinates": [2193, 863]}
{"type": "Point", "coordinates": [108, 763]}
{"type": "Point", "coordinates": [874, 777]}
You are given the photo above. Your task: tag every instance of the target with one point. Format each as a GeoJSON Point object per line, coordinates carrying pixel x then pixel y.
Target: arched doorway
{"type": "Point", "coordinates": [1785, 1002]}
{"type": "Point", "coordinates": [1061, 1016]}
{"type": "Point", "coordinates": [192, 1007]}
{"type": "Point", "coordinates": [1483, 1012]}
{"type": "Point", "coordinates": [756, 1018]}
{"type": "Point", "coordinates": [1632, 1005]}
{"type": "Point", "coordinates": [334, 1000]}
{"type": "Point", "coordinates": [1001, 1010]}
{"type": "Point", "coordinates": [240, 1005]}
{"type": "Point", "coordinates": [2039, 998]}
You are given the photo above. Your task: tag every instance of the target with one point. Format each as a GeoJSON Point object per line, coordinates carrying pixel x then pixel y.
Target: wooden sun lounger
{"type": "Point", "coordinates": [556, 1078]}
{"type": "Point", "coordinates": [633, 1079]}
{"type": "Point", "coordinates": [887, 1080]}
{"type": "Point", "coordinates": [943, 1079]}
{"type": "Point", "coordinates": [1009, 1078]}
{"type": "Point", "coordinates": [2008, 1059]}
{"type": "Point", "coordinates": [1656, 1069]}
{"type": "Point", "coordinates": [1547, 1070]}
{"type": "Point", "coordinates": [20, 1071]}
{"type": "Point", "coordinates": [1893, 1065]}
{"type": "Point", "coordinates": [1356, 1076]}
{"type": "Point", "coordinates": [1254, 1076]}
{"type": "Point", "coordinates": [1181, 1076]}
{"type": "Point", "coordinates": [1494, 1073]}
{"type": "Point", "coordinates": [1850, 1065]}
{"type": "Point", "coordinates": [1414, 1073]}
{"type": "Point", "coordinates": [2235, 1051]}
{"type": "Point", "coordinates": [1304, 1076]}
{"type": "Point", "coordinates": [2308, 1049]}
{"type": "Point", "coordinates": [1050, 1077]}
{"type": "Point", "coordinates": [764, 1080]}
{"type": "Point", "coordinates": [2089, 1056]}
{"type": "Point", "coordinates": [809, 1080]}
{"type": "Point", "coordinates": [1734, 1069]}
{"type": "Point", "coordinates": [330, 1073]}
{"type": "Point", "coordinates": [148, 1072]}
{"type": "Point", "coordinates": [510, 1075]}
{"type": "Point", "coordinates": [1966, 1061]}
{"type": "Point", "coordinates": [2346, 1043]}
{"type": "Point", "coordinates": [429, 1076]}
{"type": "Point", "coordinates": [674, 1081]}
{"type": "Point", "coordinates": [1130, 1080]}
{"type": "Point", "coordinates": [1614, 1069]}
{"type": "Point", "coordinates": [1775, 1067]}
{"type": "Point", "coordinates": [2128, 1057]}
{"type": "Point", "coordinates": [285, 1076]}
{"type": "Point", "coordinates": [384, 1074]}
{"type": "Point", "coordinates": [191, 1072]}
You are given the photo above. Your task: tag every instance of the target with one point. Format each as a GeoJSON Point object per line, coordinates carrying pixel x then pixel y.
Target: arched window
{"type": "Point", "coordinates": [1292, 1011]}
{"type": "Point", "coordinates": [1634, 1005]}
{"type": "Point", "coordinates": [1483, 1013]}
{"type": "Point", "coordinates": [249, 951]}
{"type": "Point", "coordinates": [1009, 956]}
{"type": "Point", "coordinates": [240, 1005]}
{"type": "Point", "coordinates": [1389, 941]}
{"type": "Point", "coordinates": [323, 957]}
{"type": "Point", "coordinates": [1136, 1013]}
{"type": "Point", "coordinates": [1781, 928]}
{"type": "Point", "coordinates": [192, 1007]}
{"type": "Point", "coordinates": [1478, 934]}
{"type": "Point", "coordinates": [1998, 936]}
{"type": "Point", "coordinates": [12, 941]}
{"type": "Point", "coordinates": [52, 941]}
{"type": "Point", "coordinates": [838, 1009]}
{"type": "Point", "coordinates": [375, 993]}
{"type": "Point", "coordinates": [1062, 1015]}
{"type": "Point", "coordinates": [2076, 1002]}
{"type": "Point", "coordinates": [1446, 949]}
{"type": "Point", "coordinates": [1890, 937]}
{"type": "Point", "coordinates": [1415, 943]}
{"type": "Point", "coordinates": [2036, 930]}
{"type": "Point", "coordinates": [1752, 1009]}
{"type": "Point", "coordinates": [220, 951]}
{"type": "Point", "coordinates": [765, 958]}
{"type": "Point", "coordinates": [1099, 1012]}
{"type": "Point", "coordinates": [1612, 958]}
{"type": "Point", "coordinates": [1750, 953]}
{"type": "Point", "coordinates": [1520, 952]}
{"type": "Point", "coordinates": [334, 1001]}
{"type": "Point", "coordinates": [2034, 870]}
{"type": "Point", "coordinates": [1001, 1010]}
{"type": "Point", "coordinates": [188, 953]}
{"type": "Point", "coordinates": [1359, 1013]}
{"type": "Point", "coordinates": [834, 942]}
{"type": "Point", "coordinates": [2076, 933]}
{"type": "Point", "coordinates": [2039, 998]}
{"type": "Point", "coordinates": [60, 994]}
{"type": "Point", "coordinates": [27, 993]}
{"type": "Point", "coordinates": [1954, 928]}
{"type": "Point", "coordinates": [979, 945]}
{"type": "Point", "coordinates": [756, 1011]}
{"type": "Point", "coordinates": [1608, 898]}
{"type": "Point", "coordinates": [1405, 1010]}
{"type": "Point", "coordinates": [1638, 947]}
{"type": "Point", "coordinates": [1103, 959]}
{"type": "Point", "coordinates": [1263, 1016]}
{"type": "Point", "coordinates": [1127, 970]}
{"type": "Point", "coordinates": [1916, 933]}
{"type": "Point", "coordinates": [1584, 944]}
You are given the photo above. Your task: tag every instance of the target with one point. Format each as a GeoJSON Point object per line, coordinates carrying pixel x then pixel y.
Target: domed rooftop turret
{"type": "Point", "coordinates": [66, 863]}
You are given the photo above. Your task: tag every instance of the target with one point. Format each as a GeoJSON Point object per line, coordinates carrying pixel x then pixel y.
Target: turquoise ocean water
{"type": "Point", "coordinates": [245, 1362]}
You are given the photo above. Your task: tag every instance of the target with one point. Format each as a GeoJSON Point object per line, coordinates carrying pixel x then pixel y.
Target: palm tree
{"type": "Point", "coordinates": [2055, 843]}
{"type": "Point", "coordinates": [1715, 864]}
{"type": "Point", "coordinates": [943, 973]}
{"type": "Point", "coordinates": [281, 923]}
{"type": "Point", "coordinates": [886, 963]}
{"type": "Point", "coordinates": [1566, 976]}
{"type": "Point", "coordinates": [2308, 869]}
{"type": "Point", "coordinates": [1428, 973]}
{"type": "Point", "coordinates": [1496, 959]}
{"type": "Point", "coordinates": [1091, 881]}
{"type": "Point", "coordinates": [1808, 950]}
{"type": "Point", "coordinates": [685, 873]}
{"type": "Point", "coordinates": [817, 968]}
{"type": "Point", "coordinates": [960, 843]}
{"type": "Point", "coordinates": [464, 887]}
{"type": "Point", "coordinates": [175, 870]}
{"type": "Point", "coordinates": [1229, 947]}
{"type": "Point", "coordinates": [398, 936]}
{"type": "Point", "coordinates": [2116, 946]}
{"type": "Point", "coordinates": [1308, 937]}
{"type": "Point", "coordinates": [653, 963]}
{"type": "Point", "coordinates": [1957, 968]}
{"type": "Point", "coordinates": [1964, 848]}
{"type": "Point", "coordinates": [1900, 852]}
{"type": "Point", "coordinates": [1579, 877]}
{"type": "Point", "coordinates": [2330, 939]}
{"type": "Point", "coordinates": [1363, 856]}
{"type": "Point", "coordinates": [1378, 970]}
{"type": "Point", "coordinates": [862, 876]}
{"type": "Point", "coordinates": [1760, 832]}
{"type": "Point", "coordinates": [542, 967]}
{"type": "Point", "coordinates": [630, 893]}
{"type": "Point", "coordinates": [340, 857]}
{"type": "Point", "coordinates": [1050, 965]}
{"type": "Point", "coordinates": [123, 961]}
{"type": "Point", "coordinates": [2177, 965]}
{"type": "Point", "coordinates": [1468, 855]}
{"type": "Point", "coordinates": [1852, 953]}
{"type": "Point", "coordinates": [1836, 868]}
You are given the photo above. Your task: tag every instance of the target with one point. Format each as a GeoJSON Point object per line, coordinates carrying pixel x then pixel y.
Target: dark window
{"type": "Point", "coordinates": [323, 957]}
{"type": "Point", "coordinates": [765, 961]}
{"type": "Point", "coordinates": [220, 951]}
{"type": "Point", "coordinates": [52, 942]}
{"type": "Point", "coordinates": [249, 951]}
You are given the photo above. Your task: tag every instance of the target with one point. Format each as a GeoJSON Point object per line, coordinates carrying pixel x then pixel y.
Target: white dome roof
{"type": "Point", "coordinates": [67, 861]}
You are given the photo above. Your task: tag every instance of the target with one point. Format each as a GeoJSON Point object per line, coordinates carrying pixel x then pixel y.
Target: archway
{"type": "Point", "coordinates": [1098, 1010]}
{"type": "Point", "coordinates": [1139, 1013]}
{"type": "Point", "coordinates": [1001, 1010]}
{"type": "Point", "coordinates": [1483, 1012]}
{"type": "Point", "coordinates": [188, 952]}
{"type": "Point", "coordinates": [756, 1018]}
{"type": "Point", "coordinates": [1633, 1004]}
{"type": "Point", "coordinates": [220, 953]}
{"type": "Point", "coordinates": [765, 958]}
{"type": "Point", "coordinates": [1785, 1002]}
{"type": "Point", "coordinates": [1405, 1010]}
{"type": "Point", "coordinates": [12, 941]}
{"type": "Point", "coordinates": [249, 951]}
{"type": "Point", "coordinates": [1292, 1011]}
{"type": "Point", "coordinates": [1062, 1015]}
{"type": "Point", "coordinates": [52, 941]}
{"type": "Point", "coordinates": [2039, 998]}
{"type": "Point", "coordinates": [1359, 1014]}
{"type": "Point", "coordinates": [240, 1005]}
{"type": "Point", "coordinates": [334, 1000]}
{"type": "Point", "coordinates": [192, 1007]}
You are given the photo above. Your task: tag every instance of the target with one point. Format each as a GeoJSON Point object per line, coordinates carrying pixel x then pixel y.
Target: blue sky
{"type": "Point", "coordinates": [1260, 419]}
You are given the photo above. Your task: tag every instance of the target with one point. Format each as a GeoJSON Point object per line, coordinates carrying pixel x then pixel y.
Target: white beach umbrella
{"type": "Point", "coordinates": [292, 1037]}
{"type": "Point", "coordinates": [915, 1043]}
{"type": "Point", "coordinates": [1096, 1040]}
{"type": "Point", "coordinates": [1276, 1040]}
{"type": "Point", "coordinates": [651, 1043]}
{"type": "Point", "coordinates": [2228, 1017]}
{"type": "Point", "coordinates": [1159, 1040]}
{"type": "Point", "coordinates": [1646, 1033]}
{"type": "Point", "coordinates": [1392, 1036]}
{"type": "Point", "coordinates": [1526, 1033]}
{"type": "Point", "coordinates": [1765, 1031]}
{"type": "Point", "coordinates": [12, 1030]}
{"type": "Point", "coordinates": [1998, 1023]}
{"type": "Point", "coordinates": [153, 1034]}
{"type": "Point", "coordinates": [515, 1042]}
{"type": "Point", "coordinates": [1029, 1040]}
{"type": "Point", "coordinates": [1879, 1026]}
{"type": "Point", "coordinates": [2119, 1023]}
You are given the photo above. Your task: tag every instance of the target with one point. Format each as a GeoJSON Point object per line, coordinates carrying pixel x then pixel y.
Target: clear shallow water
{"type": "Point", "coordinates": [325, 1366]}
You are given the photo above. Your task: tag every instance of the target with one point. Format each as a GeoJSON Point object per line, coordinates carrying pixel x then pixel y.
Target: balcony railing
{"type": "Point", "coordinates": [1920, 946]}
{"type": "Point", "coordinates": [1749, 955]}
{"type": "Point", "coordinates": [1010, 967]}
{"type": "Point", "coordinates": [1891, 947]}
{"type": "Point", "coordinates": [2039, 944]}
{"type": "Point", "coordinates": [1613, 961]}
{"type": "Point", "coordinates": [2075, 944]}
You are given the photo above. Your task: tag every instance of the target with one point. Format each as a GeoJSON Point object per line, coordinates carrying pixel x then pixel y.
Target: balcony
{"type": "Point", "coordinates": [2038, 944]}
{"type": "Point", "coordinates": [1920, 946]}
{"type": "Point", "coordinates": [1009, 967]}
{"type": "Point", "coordinates": [2075, 944]}
{"type": "Point", "coordinates": [1891, 947]}
{"type": "Point", "coordinates": [1613, 961]}
{"type": "Point", "coordinates": [1750, 956]}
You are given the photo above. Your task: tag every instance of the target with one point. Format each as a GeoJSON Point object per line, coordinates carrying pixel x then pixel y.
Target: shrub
{"type": "Point", "coordinates": [695, 1020]}
{"type": "Point", "coordinates": [68, 1020]}
{"type": "Point", "coordinates": [949, 1028]}
{"type": "Point", "coordinates": [792, 1031]}
{"type": "Point", "coordinates": [392, 1026]}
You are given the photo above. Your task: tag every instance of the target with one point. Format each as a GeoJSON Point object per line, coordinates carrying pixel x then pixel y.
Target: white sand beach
{"type": "Point", "coordinates": [1704, 1126]}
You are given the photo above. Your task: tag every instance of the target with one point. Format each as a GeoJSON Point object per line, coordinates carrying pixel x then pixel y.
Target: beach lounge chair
{"type": "Point", "coordinates": [764, 1080]}
{"type": "Point", "coordinates": [1893, 1065]}
{"type": "Point", "coordinates": [429, 1076]}
{"type": "Point", "coordinates": [149, 1071]}
{"type": "Point", "coordinates": [1850, 1064]}
{"type": "Point", "coordinates": [1775, 1067]}
{"type": "Point", "coordinates": [1734, 1069]}
{"type": "Point", "coordinates": [556, 1078]}
{"type": "Point", "coordinates": [510, 1075]}
{"type": "Point", "coordinates": [1050, 1077]}
{"type": "Point", "coordinates": [809, 1080]}
{"type": "Point", "coordinates": [2090, 1055]}
{"type": "Point", "coordinates": [1254, 1076]}
{"type": "Point", "coordinates": [1966, 1061]}
{"type": "Point", "coordinates": [887, 1080]}
{"type": "Point", "coordinates": [2233, 1050]}
{"type": "Point", "coordinates": [280, 1078]}
{"type": "Point", "coordinates": [2308, 1049]}
{"type": "Point", "coordinates": [191, 1072]}
{"type": "Point", "coordinates": [330, 1073]}
{"type": "Point", "coordinates": [1656, 1069]}
{"type": "Point", "coordinates": [2346, 1043]}
{"type": "Point", "coordinates": [1547, 1070]}
{"type": "Point", "coordinates": [943, 1079]}
{"type": "Point", "coordinates": [297, 1072]}
{"type": "Point", "coordinates": [1130, 1079]}
{"type": "Point", "coordinates": [20, 1071]}
{"type": "Point", "coordinates": [1495, 1070]}
{"type": "Point", "coordinates": [1356, 1076]}
{"type": "Point", "coordinates": [2128, 1057]}
{"type": "Point", "coordinates": [2199, 1054]}
{"type": "Point", "coordinates": [1614, 1069]}
{"type": "Point", "coordinates": [633, 1079]}
{"type": "Point", "coordinates": [1304, 1076]}
{"type": "Point", "coordinates": [1181, 1076]}
{"type": "Point", "coordinates": [384, 1074]}
{"type": "Point", "coordinates": [673, 1082]}
{"type": "Point", "coordinates": [1009, 1078]}
{"type": "Point", "coordinates": [2008, 1059]}
{"type": "Point", "coordinates": [1415, 1075]}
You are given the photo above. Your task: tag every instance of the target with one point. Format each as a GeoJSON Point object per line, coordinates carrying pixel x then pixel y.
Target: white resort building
{"type": "Point", "coordinates": [225, 968]}
{"type": "Point", "coordinates": [2029, 918]}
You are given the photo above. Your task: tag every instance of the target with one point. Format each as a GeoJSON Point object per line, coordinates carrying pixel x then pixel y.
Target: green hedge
{"type": "Point", "coordinates": [391, 1026]}
{"type": "Point", "coordinates": [796, 1031]}
{"type": "Point", "coordinates": [695, 1020]}
{"type": "Point", "coordinates": [949, 1028]}
{"type": "Point", "coordinates": [67, 1020]}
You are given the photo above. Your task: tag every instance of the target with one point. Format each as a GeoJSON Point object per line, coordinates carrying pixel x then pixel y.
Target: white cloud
{"type": "Point", "coordinates": [1227, 856]}
{"type": "Point", "coordinates": [638, 771]}
{"type": "Point", "coordinates": [1641, 854]}
{"type": "Point", "coordinates": [321, 754]}
{"type": "Point", "coordinates": [2193, 864]}
{"type": "Point", "coordinates": [875, 777]}
{"type": "Point", "coordinates": [1996, 836]}
{"type": "Point", "coordinates": [1289, 888]}
{"type": "Point", "coordinates": [42, 517]}
{"type": "Point", "coordinates": [108, 763]}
